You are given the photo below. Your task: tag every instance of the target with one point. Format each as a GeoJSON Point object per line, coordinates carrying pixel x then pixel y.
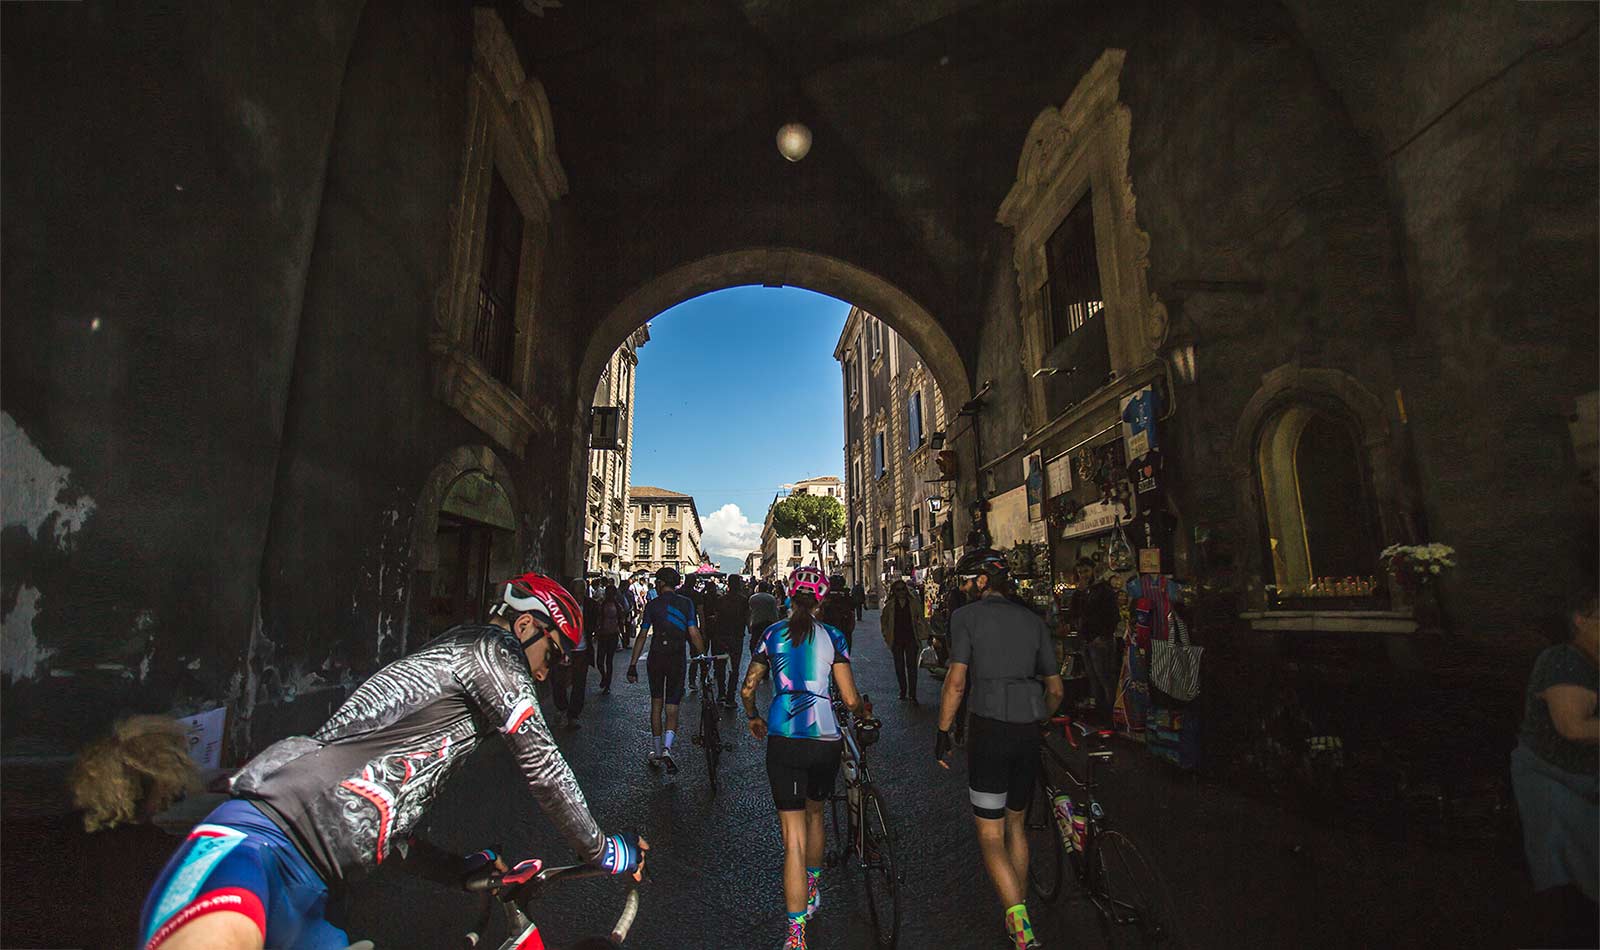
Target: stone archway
{"type": "Point", "coordinates": [1336, 391]}
{"type": "Point", "coordinates": [458, 462]}
{"type": "Point", "coordinates": [788, 267]}
{"type": "Point", "coordinates": [773, 267]}
{"type": "Point", "coordinates": [461, 462]}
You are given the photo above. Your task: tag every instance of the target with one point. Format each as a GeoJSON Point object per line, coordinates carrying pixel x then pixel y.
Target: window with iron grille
{"type": "Point", "coordinates": [672, 547]}
{"type": "Point", "coordinates": [1074, 272]}
{"type": "Point", "coordinates": [914, 421]}
{"type": "Point", "coordinates": [495, 328]}
{"type": "Point", "coordinates": [644, 545]}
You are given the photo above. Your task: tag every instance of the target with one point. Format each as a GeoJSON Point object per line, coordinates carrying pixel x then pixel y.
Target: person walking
{"type": "Point", "coordinates": [1092, 614]}
{"type": "Point", "coordinates": [782, 597]}
{"type": "Point", "coordinates": [804, 743]}
{"type": "Point", "coordinates": [729, 623]}
{"type": "Point", "coordinates": [1003, 650]}
{"type": "Point", "coordinates": [904, 629]}
{"type": "Point", "coordinates": [858, 596]}
{"type": "Point", "coordinates": [613, 617]}
{"type": "Point", "coordinates": [763, 612]}
{"type": "Point", "coordinates": [838, 611]}
{"type": "Point", "coordinates": [1553, 773]}
{"type": "Point", "coordinates": [569, 681]}
{"type": "Point", "coordinates": [671, 618]}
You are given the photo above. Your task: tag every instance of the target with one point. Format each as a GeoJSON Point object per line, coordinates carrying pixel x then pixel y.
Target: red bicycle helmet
{"type": "Point", "coordinates": [541, 596]}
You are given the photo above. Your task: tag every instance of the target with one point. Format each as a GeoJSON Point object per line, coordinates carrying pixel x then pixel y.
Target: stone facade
{"type": "Point", "coordinates": [664, 528]}
{"type": "Point", "coordinates": [893, 411]}
{"type": "Point", "coordinates": [607, 543]}
{"type": "Point", "coordinates": [780, 555]}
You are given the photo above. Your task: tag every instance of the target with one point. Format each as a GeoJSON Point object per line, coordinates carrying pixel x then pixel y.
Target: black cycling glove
{"type": "Point", "coordinates": [942, 744]}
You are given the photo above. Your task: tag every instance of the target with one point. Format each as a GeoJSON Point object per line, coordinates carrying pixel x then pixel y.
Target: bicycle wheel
{"type": "Point", "coordinates": [1045, 850]}
{"type": "Point", "coordinates": [881, 875]}
{"type": "Point", "coordinates": [839, 809]}
{"type": "Point", "coordinates": [711, 741]}
{"type": "Point", "coordinates": [1134, 908]}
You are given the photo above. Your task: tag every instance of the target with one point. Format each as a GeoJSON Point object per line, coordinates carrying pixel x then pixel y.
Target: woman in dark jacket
{"type": "Point", "coordinates": [838, 610]}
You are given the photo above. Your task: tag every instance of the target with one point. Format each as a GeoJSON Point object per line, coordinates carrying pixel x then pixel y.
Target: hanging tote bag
{"type": "Point", "coordinates": [1175, 663]}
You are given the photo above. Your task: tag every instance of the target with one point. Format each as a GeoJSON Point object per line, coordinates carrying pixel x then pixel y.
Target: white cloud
{"type": "Point", "coordinates": [728, 531]}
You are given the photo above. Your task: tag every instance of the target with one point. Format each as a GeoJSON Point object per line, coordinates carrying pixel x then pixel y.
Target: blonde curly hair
{"type": "Point", "coordinates": [137, 771]}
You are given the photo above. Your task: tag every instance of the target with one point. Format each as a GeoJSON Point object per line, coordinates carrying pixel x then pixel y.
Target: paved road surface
{"type": "Point", "coordinates": [1241, 873]}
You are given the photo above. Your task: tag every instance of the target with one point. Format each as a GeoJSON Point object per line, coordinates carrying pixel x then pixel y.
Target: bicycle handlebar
{"type": "Point", "coordinates": [708, 656]}
{"type": "Point", "coordinates": [521, 893]}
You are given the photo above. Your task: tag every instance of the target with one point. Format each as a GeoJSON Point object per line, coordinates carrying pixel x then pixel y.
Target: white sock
{"type": "Point", "coordinates": [670, 736]}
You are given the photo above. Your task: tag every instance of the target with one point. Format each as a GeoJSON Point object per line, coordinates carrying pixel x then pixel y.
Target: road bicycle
{"type": "Point", "coordinates": [709, 737]}
{"type": "Point", "coordinates": [521, 886]}
{"type": "Point", "coordinates": [1071, 822]}
{"type": "Point", "coordinates": [861, 827]}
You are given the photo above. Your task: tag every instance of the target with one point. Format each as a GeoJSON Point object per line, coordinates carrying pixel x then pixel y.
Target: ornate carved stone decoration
{"type": "Point", "coordinates": [509, 130]}
{"type": "Point", "coordinates": [1083, 146]}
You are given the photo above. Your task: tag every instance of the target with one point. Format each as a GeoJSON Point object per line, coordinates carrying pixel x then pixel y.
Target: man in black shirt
{"type": "Point", "coordinates": [1092, 614]}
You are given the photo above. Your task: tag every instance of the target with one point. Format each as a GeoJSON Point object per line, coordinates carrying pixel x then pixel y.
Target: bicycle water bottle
{"type": "Point", "coordinates": [1080, 829]}
{"type": "Point", "coordinates": [1062, 805]}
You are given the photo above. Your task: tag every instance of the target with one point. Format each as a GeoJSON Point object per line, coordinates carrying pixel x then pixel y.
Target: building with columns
{"type": "Point", "coordinates": [606, 540]}
{"type": "Point", "coordinates": [897, 517]}
{"type": "Point", "coordinates": [664, 528]}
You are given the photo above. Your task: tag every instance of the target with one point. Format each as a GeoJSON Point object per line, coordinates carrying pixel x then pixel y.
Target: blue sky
{"type": "Point", "coordinates": [737, 394]}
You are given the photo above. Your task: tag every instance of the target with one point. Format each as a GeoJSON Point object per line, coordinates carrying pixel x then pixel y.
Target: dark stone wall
{"type": "Point", "coordinates": [255, 418]}
{"type": "Point", "coordinates": [164, 168]}
{"type": "Point", "coordinates": [1419, 215]}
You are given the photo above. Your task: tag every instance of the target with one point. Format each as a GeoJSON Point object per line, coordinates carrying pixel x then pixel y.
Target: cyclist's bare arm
{"type": "Point", "coordinates": [497, 680]}
{"type": "Point", "coordinates": [955, 683]}
{"type": "Point", "coordinates": [845, 680]}
{"type": "Point", "coordinates": [1054, 689]}
{"type": "Point", "coordinates": [752, 679]}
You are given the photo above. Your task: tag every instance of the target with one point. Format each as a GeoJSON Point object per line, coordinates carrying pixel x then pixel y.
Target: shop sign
{"type": "Point", "coordinates": [1097, 517]}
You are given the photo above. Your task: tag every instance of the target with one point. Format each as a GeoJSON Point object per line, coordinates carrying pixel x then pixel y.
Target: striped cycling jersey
{"type": "Point", "coordinates": [800, 706]}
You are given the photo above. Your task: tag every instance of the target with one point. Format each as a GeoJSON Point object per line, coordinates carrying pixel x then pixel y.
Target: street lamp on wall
{"type": "Point", "coordinates": [1180, 355]}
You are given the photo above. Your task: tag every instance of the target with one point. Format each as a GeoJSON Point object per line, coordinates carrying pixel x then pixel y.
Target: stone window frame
{"type": "Point", "coordinates": [509, 130]}
{"type": "Point", "coordinates": [1083, 147]}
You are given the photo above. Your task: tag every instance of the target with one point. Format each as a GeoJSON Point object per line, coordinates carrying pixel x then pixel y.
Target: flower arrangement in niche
{"type": "Point", "coordinates": [1416, 564]}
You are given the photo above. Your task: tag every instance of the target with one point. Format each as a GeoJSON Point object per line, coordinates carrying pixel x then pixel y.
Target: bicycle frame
{"type": "Point", "coordinates": [1087, 869]}
{"type": "Point", "coordinates": [856, 774]}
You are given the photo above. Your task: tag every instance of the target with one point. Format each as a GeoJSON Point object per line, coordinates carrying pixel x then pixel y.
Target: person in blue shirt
{"type": "Point", "coordinates": [672, 618]}
{"type": "Point", "coordinates": [802, 735]}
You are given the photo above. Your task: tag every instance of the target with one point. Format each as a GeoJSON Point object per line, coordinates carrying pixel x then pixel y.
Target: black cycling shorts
{"type": "Point", "coordinates": [1002, 765]}
{"type": "Point", "coordinates": [802, 770]}
{"type": "Point", "coordinates": [665, 667]}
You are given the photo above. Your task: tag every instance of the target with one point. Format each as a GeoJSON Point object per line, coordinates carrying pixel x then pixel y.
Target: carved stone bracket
{"type": "Point", "coordinates": [1083, 147]}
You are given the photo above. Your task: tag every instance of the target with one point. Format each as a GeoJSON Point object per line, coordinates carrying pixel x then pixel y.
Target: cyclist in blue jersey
{"type": "Point", "coordinates": [672, 618]}
{"type": "Point", "coordinates": [802, 734]}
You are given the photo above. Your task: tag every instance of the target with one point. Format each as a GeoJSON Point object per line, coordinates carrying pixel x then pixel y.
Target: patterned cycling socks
{"type": "Point", "coordinates": [670, 736]}
{"type": "Point", "coordinates": [813, 891]}
{"type": "Point", "coordinates": [1018, 925]}
{"type": "Point", "coordinates": [796, 939]}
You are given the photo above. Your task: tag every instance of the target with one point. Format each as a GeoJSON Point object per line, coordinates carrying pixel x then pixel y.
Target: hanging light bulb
{"type": "Point", "coordinates": [794, 141]}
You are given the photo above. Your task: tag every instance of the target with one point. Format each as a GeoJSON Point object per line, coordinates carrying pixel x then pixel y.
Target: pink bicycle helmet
{"type": "Point", "coordinates": [808, 580]}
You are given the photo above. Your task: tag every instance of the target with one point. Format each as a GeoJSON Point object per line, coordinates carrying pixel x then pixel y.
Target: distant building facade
{"type": "Point", "coordinates": [894, 413]}
{"type": "Point", "coordinates": [606, 540]}
{"type": "Point", "coordinates": [664, 529]}
{"type": "Point", "coordinates": [752, 564]}
{"type": "Point", "coordinates": [780, 554]}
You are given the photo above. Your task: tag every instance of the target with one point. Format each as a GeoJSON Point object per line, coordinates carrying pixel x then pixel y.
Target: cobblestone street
{"type": "Point", "coordinates": [1240, 872]}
